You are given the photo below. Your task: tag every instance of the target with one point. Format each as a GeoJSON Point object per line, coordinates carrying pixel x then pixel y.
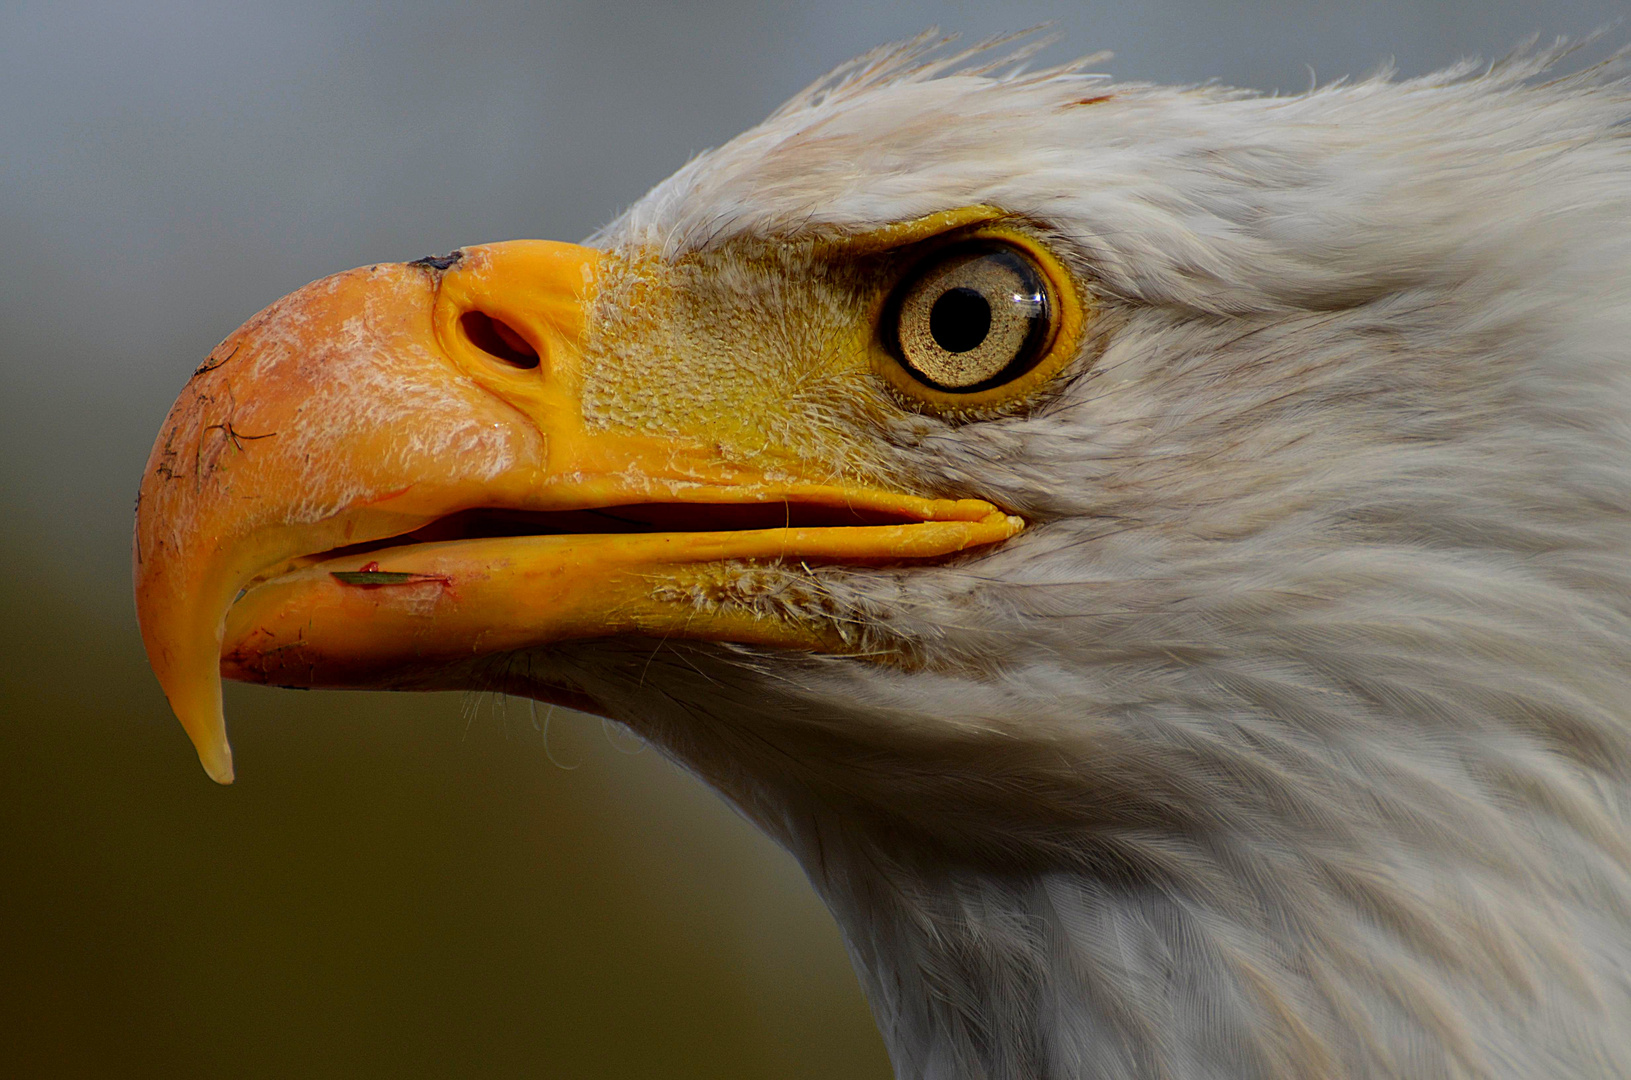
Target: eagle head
{"type": "Point", "coordinates": [1160, 558]}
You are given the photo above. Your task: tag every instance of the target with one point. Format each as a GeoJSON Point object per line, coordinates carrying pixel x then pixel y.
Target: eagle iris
{"type": "Point", "coordinates": [971, 318]}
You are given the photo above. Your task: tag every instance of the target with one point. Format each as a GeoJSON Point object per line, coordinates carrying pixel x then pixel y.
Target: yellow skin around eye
{"type": "Point", "coordinates": [996, 280]}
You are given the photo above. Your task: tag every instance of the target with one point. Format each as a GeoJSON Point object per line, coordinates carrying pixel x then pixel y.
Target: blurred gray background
{"type": "Point", "coordinates": [411, 886]}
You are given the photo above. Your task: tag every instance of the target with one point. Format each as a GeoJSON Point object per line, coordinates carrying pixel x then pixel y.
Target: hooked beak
{"type": "Point", "coordinates": [391, 471]}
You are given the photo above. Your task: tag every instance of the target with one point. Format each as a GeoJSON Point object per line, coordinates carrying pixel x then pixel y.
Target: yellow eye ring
{"type": "Point", "coordinates": [983, 319]}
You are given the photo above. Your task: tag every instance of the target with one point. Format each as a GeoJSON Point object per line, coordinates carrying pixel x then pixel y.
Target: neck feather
{"type": "Point", "coordinates": [1265, 970]}
{"type": "Point", "coordinates": [1039, 886]}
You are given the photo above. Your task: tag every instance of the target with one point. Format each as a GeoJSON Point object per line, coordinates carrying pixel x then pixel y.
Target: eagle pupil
{"type": "Point", "coordinates": [960, 319]}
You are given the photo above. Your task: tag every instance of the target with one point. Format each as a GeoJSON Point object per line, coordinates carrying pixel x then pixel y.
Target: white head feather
{"type": "Point", "coordinates": [1292, 738]}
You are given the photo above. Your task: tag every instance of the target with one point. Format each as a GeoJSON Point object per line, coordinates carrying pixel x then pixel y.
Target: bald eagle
{"type": "Point", "coordinates": [1159, 558]}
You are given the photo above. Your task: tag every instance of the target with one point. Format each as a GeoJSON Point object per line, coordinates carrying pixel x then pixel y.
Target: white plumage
{"type": "Point", "coordinates": [1291, 740]}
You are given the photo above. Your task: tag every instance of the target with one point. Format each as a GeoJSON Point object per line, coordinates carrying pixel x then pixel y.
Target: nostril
{"type": "Point", "coordinates": [498, 339]}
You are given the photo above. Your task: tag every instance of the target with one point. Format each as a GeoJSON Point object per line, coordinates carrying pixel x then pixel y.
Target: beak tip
{"type": "Point", "coordinates": [200, 714]}
{"type": "Point", "coordinates": [217, 762]}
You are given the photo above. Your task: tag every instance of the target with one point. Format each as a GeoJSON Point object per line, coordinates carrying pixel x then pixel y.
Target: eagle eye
{"type": "Point", "coordinates": [972, 318]}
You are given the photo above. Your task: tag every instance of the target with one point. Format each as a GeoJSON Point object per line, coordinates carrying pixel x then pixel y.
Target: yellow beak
{"type": "Point", "coordinates": [390, 473]}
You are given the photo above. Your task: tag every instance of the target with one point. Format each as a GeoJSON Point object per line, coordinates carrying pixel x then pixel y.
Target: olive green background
{"type": "Point", "coordinates": [408, 886]}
